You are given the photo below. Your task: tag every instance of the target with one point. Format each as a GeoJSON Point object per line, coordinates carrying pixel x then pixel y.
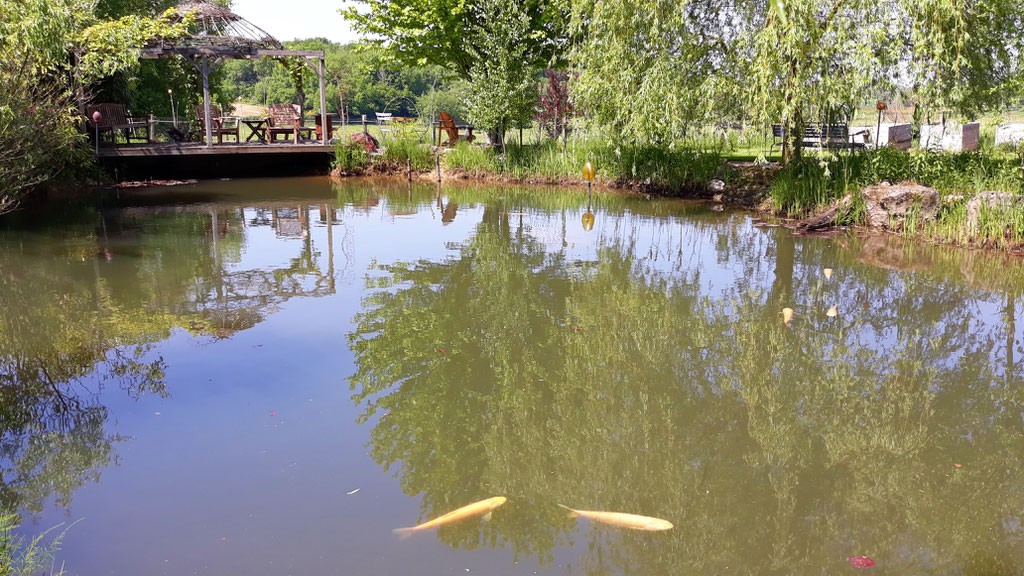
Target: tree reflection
{"type": "Point", "coordinates": [513, 368]}
{"type": "Point", "coordinates": [83, 303]}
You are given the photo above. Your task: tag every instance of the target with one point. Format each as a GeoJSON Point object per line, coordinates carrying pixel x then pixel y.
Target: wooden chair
{"type": "Point", "coordinates": [220, 125]}
{"type": "Point", "coordinates": [448, 127]}
{"type": "Point", "coordinates": [285, 119]}
{"type": "Point", "coordinates": [114, 117]}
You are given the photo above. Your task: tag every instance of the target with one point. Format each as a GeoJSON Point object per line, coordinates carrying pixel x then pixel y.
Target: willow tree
{"type": "Point", "coordinates": [648, 68]}
{"type": "Point", "coordinates": [964, 56]}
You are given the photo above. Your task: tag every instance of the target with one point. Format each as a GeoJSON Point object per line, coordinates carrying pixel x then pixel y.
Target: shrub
{"type": "Point", "coordinates": [352, 155]}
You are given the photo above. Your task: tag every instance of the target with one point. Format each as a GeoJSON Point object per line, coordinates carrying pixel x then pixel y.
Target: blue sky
{"type": "Point", "coordinates": [294, 19]}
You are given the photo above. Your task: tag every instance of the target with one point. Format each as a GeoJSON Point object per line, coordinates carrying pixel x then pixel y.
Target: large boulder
{"type": "Point", "coordinates": [890, 205]}
{"type": "Point", "coordinates": [990, 202]}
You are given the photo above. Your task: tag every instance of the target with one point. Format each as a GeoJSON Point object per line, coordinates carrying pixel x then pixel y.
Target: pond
{"type": "Point", "coordinates": [269, 376]}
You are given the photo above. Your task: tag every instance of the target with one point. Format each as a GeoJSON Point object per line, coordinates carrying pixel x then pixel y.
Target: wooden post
{"type": "Point", "coordinates": [205, 70]}
{"type": "Point", "coordinates": [408, 167]}
{"type": "Point", "coordinates": [437, 162]}
{"type": "Point", "coordinates": [323, 105]}
{"type": "Point", "coordinates": [364, 124]}
{"type": "Point", "coordinates": [149, 129]}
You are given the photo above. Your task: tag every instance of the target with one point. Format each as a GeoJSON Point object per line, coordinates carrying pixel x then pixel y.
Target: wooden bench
{"type": "Point", "coordinates": [832, 136]}
{"type": "Point", "coordinates": [285, 119]}
{"type": "Point", "coordinates": [220, 126]}
{"type": "Point", "coordinates": [447, 126]}
{"type": "Point", "coordinates": [114, 117]}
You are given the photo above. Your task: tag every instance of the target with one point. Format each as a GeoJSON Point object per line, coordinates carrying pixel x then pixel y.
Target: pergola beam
{"type": "Point", "coordinates": [225, 52]}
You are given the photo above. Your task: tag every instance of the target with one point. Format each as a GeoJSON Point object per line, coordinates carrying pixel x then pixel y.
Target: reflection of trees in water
{"type": "Point", "coordinates": [771, 448]}
{"type": "Point", "coordinates": [79, 310]}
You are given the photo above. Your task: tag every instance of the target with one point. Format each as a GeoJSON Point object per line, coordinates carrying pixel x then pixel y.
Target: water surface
{"type": "Point", "coordinates": [203, 374]}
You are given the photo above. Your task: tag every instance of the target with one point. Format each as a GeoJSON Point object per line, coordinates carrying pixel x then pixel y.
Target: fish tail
{"type": "Point", "coordinates": [572, 513]}
{"type": "Point", "coordinates": [403, 533]}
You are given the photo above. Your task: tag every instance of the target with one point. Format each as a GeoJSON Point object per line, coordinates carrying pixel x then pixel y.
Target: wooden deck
{"type": "Point", "coordinates": [198, 149]}
{"type": "Point", "coordinates": [170, 160]}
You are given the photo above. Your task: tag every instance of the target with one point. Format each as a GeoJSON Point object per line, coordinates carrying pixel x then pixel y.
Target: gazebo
{"type": "Point", "coordinates": [220, 34]}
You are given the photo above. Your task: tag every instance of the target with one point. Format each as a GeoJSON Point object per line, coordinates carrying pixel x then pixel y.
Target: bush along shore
{"type": "Point", "coordinates": [968, 199]}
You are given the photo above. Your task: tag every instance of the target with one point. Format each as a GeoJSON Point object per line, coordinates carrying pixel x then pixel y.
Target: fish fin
{"type": "Point", "coordinates": [487, 517]}
{"type": "Point", "coordinates": [572, 513]}
{"type": "Point", "coordinates": [403, 533]}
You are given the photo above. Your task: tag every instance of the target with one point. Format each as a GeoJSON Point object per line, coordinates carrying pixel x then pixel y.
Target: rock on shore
{"type": "Point", "coordinates": [890, 205]}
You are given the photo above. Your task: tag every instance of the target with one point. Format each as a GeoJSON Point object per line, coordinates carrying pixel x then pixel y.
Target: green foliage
{"type": "Point", "coordinates": [503, 93]}
{"type": "Point", "coordinates": [451, 97]}
{"type": "Point", "coordinates": [20, 557]}
{"type": "Point", "coordinates": [45, 84]}
{"type": "Point", "coordinates": [398, 150]}
{"type": "Point", "coordinates": [111, 46]}
{"type": "Point", "coordinates": [811, 184]}
{"type": "Point", "coordinates": [453, 36]}
{"type": "Point", "coordinates": [677, 169]}
{"type": "Point", "coordinates": [38, 128]}
{"type": "Point", "coordinates": [649, 69]}
{"type": "Point", "coordinates": [349, 156]}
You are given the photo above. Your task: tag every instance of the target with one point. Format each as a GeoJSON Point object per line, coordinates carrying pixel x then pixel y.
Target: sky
{"type": "Point", "coordinates": [296, 19]}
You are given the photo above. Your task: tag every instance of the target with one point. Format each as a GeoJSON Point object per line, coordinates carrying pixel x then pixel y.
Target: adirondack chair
{"type": "Point", "coordinates": [284, 119]}
{"type": "Point", "coordinates": [114, 117]}
{"type": "Point", "coordinates": [220, 125]}
{"type": "Point", "coordinates": [447, 126]}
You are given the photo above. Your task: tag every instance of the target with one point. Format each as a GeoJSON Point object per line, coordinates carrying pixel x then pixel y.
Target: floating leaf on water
{"type": "Point", "coordinates": [274, 413]}
{"type": "Point", "coordinates": [787, 315]}
{"type": "Point", "coordinates": [860, 561]}
{"type": "Point", "coordinates": [354, 491]}
{"type": "Point", "coordinates": [441, 350]}
{"type": "Point", "coordinates": [828, 273]}
{"type": "Point", "coordinates": [958, 465]}
{"type": "Point", "coordinates": [832, 312]}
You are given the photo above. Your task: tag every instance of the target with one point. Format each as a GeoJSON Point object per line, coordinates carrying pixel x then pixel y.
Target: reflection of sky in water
{"type": "Point", "coordinates": [208, 482]}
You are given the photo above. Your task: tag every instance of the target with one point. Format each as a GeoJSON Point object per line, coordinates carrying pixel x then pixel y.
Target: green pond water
{"type": "Point", "coordinates": [267, 377]}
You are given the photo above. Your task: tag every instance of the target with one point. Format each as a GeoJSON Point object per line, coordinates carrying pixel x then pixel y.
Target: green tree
{"type": "Point", "coordinates": [503, 91]}
{"type": "Point", "coordinates": [453, 35]}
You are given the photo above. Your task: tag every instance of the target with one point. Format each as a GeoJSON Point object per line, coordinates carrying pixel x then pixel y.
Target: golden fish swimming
{"type": "Point", "coordinates": [632, 521]}
{"type": "Point", "coordinates": [475, 509]}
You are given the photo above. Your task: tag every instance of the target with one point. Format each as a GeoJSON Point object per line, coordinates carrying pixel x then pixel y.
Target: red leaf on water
{"type": "Point", "coordinates": [576, 328]}
{"type": "Point", "coordinates": [958, 465]}
{"type": "Point", "coordinates": [860, 561]}
{"type": "Point", "coordinates": [441, 350]}
{"type": "Point", "coordinates": [274, 413]}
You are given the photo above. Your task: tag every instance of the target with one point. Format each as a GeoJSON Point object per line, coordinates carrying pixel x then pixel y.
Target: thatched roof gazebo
{"type": "Point", "coordinates": [220, 34]}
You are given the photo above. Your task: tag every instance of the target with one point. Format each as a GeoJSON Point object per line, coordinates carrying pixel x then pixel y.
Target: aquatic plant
{"type": "Point", "coordinates": [21, 557]}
